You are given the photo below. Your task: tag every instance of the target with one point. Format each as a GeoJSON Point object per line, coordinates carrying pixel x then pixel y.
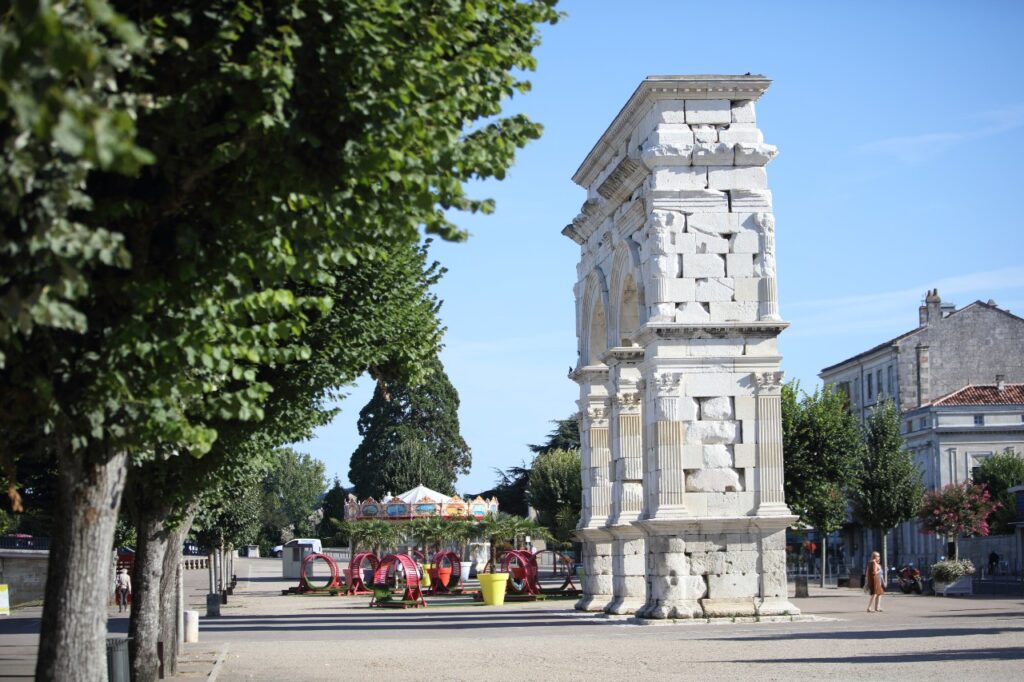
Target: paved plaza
{"type": "Point", "coordinates": [265, 636]}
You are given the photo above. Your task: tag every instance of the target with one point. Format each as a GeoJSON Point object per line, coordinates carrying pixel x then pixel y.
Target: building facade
{"type": "Point", "coordinates": [956, 379]}
{"type": "Point", "coordinates": [677, 317]}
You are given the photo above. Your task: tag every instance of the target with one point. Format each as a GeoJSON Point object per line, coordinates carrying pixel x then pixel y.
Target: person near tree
{"type": "Point", "coordinates": [122, 588]}
{"type": "Point", "coordinates": [873, 582]}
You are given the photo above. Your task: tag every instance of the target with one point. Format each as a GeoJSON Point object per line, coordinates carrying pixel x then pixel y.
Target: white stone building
{"type": "Point", "coordinates": [677, 319]}
{"type": "Point", "coordinates": [945, 376]}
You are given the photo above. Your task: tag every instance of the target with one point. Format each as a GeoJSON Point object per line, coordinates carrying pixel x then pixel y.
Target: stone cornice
{"type": "Point", "coordinates": [735, 524]}
{"type": "Point", "coordinates": [706, 330]}
{"type": "Point", "coordinates": [624, 353]}
{"type": "Point", "coordinates": [592, 373]}
{"type": "Point", "coordinates": [652, 89]}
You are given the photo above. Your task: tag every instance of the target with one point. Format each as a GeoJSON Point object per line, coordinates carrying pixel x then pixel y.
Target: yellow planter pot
{"type": "Point", "coordinates": [492, 587]}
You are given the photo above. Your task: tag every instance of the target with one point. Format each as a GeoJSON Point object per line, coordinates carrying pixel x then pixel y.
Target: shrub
{"type": "Point", "coordinates": [951, 570]}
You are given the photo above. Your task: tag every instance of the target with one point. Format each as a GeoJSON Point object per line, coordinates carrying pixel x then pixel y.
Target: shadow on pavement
{"type": "Point", "coordinates": [902, 633]}
{"type": "Point", "coordinates": [959, 655]}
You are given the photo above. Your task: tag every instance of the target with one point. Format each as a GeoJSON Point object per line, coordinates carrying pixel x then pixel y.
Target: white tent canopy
{"type": "Point", "coordinates": [419, 493]}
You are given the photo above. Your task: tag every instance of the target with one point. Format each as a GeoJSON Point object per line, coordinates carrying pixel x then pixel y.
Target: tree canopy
{"type": "Point", "coordinates": [556, 491]}
{"type": "Point", "coordinates": [999, 473]}
{"type": "Point", "coordinates": [410, 436]}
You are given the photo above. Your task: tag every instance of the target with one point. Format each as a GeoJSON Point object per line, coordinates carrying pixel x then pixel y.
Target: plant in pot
{"type": "Point", "coordinates": [432, 533]}
{"type": "Point", "coordinates": [381, 536]}
{"type": "Point", "coordinates": [462, 531]}
{"type": "Point", "coordinates": [496, 529]}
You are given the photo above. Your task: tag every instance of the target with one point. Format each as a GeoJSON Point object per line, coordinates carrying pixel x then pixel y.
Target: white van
{"type": "Point", "coordinates": [294, 551]}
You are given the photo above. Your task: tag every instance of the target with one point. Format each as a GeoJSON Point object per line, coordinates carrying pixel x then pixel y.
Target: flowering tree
{"type": "Point", "coordinates": [959, 509]}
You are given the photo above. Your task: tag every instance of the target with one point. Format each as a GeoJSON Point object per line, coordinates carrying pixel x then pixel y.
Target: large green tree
{"type": "Point", "coordinates": [293, 488]}
{"type": "Point", "coordinates": [167, 183]}
{"type": "Point", "coordinates": [999, 473]}
{"type": "Point", "coordinates": [410, 436]}
{"type": "Point", "coordinates": [887, 489]}
{"type": "Point", "coordinates": [556, 490]}
{"type": "Point", "coordinates": [565, 436]}
{"type": "Point", "coordinates": [821, 442]}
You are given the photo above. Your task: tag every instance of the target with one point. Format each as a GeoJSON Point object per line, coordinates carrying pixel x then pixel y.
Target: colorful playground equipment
{"type": "Point", "coordinates": [354, 573]}
{"type": "Point", "coordinates": [334, 583]}
{"type": "Point", "coordinates": [524, 574]}
{"type": "Point", "coordinates": [419, 502]}
{"type": "Point", "coordinates": [397, 572]}
{"type": "Point", "coordinates": [444, 576]}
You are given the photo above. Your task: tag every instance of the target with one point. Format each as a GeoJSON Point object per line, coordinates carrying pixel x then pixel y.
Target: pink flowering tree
{"type": "Point", "coordinates": [959, 509]}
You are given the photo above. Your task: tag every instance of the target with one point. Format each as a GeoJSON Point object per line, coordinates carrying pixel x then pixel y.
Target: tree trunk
{"type": "Point", "coordinates": [170, 610]}
{"type": "Point", "coordinates": [885, 558]}
{"type": "Point", "coordinates": [72, 642]}
{"type": "Point", "coordinates": [824, 557]}
{"type": "Point", "coordinates": [144, 626]}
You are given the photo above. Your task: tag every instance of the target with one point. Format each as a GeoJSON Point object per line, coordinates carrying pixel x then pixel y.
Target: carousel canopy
{"type": "Point", "coordinates": [418, 502]}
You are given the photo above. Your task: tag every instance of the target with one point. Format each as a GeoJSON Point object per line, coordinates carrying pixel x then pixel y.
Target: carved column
{"type": "Point", "coordinates": [669, 485]}
{"type": "Point", "coordinates": [768, 309]}
{"type": "Point", "coordinates": [769, 444]}
{"type": "Point", "coordinates": [599, 474]}
{"type": "Point", "coordinates": [596, 540]}
{"type": "Point", "coordinates": [629, 583]}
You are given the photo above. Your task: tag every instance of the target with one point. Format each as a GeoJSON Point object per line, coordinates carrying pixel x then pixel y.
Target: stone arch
{"type": "Point", "coordinates": [594, 331]}
{"type": "Point", "coordinates": [628, 309]}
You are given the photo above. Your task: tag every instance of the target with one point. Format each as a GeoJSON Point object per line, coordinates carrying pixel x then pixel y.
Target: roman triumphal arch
{"type": "Point", "coordinates": [677, 319]}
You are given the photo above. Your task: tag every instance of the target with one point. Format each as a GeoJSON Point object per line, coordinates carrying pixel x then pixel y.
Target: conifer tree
{"type": "Point", "coordinates": [410, 436]}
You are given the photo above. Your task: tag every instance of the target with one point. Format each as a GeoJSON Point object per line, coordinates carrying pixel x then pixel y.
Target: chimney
{"type": "Point", "coordinates": [1000, 382]}
{"type": "Point", "coordinates": [931, 311]}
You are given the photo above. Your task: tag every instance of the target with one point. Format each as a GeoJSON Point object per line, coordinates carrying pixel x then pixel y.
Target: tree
{"type": "Point", "coordinates": [999, 473]}
{"type": "Point", "coordinates": [959, 509]}
{"type": "Point", "coordinates": [169, 181]}
{"type": "Point", "coordinates": [376, 534]}
{"type": "Point", "coordinates": [555, 488]}
{"type": "Point", "coordinates": [565, 436]}
{"type": "Point", "coordinates": [410, 436]}
{"type": "Point", "coordinates": [887, 488]}
{"type": "Point", "coordinates": [511, 490]}
{"type": "Point", "coordinates": [294, 486]}
{"type": "Point", "coordinates": [822, 443]}
{"type": "Point", "coordinates": [334, 508]}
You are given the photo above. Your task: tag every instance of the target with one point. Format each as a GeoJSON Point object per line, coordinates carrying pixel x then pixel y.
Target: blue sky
{"type": "Point", "coordinates": [900, 129]}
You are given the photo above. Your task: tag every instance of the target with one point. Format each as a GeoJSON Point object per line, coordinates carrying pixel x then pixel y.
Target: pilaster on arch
{"type": "Point", "coordinates": [628, 310]}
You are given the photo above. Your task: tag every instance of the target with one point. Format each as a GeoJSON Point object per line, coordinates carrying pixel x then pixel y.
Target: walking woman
{"type": "Point", "coordinates": [873, 582]}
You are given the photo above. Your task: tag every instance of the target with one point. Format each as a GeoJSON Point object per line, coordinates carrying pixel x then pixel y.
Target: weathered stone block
{"type": "Point", "coordinates": [704, 133]}
{"type": "Point", "coordinates": [680, 289]}
{"type": "Point", "coordinates": [667, 154]}
{"type": "Point", "coordinates": [737, 177]}
{"type": "Point", "coordinates": [715, 480]}
{"type": "Point", "coordinates": [680, 177]}
{"type": "Point", "coordinates": [740, 265]}
{"type": "Point", "coordinates": [632, 468]}
{"type": "Point", "coordinates": [713, 431]}
{"type": "Point", "coordinates": [746, 287]}
{"type": "Point", "coordinates": [683, 243]}
{"type": "Point", "coordinates": [693, 456]}
{"type": "Point", "coordinates": [753, 154]}
{"type": "Point", "coordinates": [708, 111]}
{"type": "Point", "coordinates": [692, 312]}
{"type": "Point", "coordinates": [735, 311]}
{"type": "Point", "coordinates": [671, 134]}
{"type": "Point", "coordinates": [724, 503]}
{"type": "Point", "coordinates": [743, 454]}
{"type": "Point", "coordinates": [768, 346]}
{"type": "Point", "coordinates": [633, 564]}
{"type": "Point", "coordinates": [716, 408]}
{"type": "Point", "coordinates": [751, 200]}
{"type": "Point", "coordinates": [712, 154]}
{"type": "Point", "coordinates": [713, 223]}
{"type": "Point", "coordinates": [741, 133]}
{"type": "Point", "coordinates": [704, 348]}
{"type": "Point", "coordinates": [710, 244]}
{"type": "Point", "coordinates": [687, 408]}
{"type": "Point", "coordinates": [670, 111]}
{"type": "Point", "coordinates": [742, 562]}
{"type": "Point", "coordinates": [729, 608]}
{"type": "Point", "coordinates": [712, 383]}
{"type": "Point", "coordinates": [714, 289]}
{"type": "Point", "coordinates": [717, 456]}
{"type": "Point", "coordinates": [743, 111]}
{"type": "Point", "coordinates": [703, 265]}
{"type": "Point", "coordinates": [746, 407]}
{"type": "Point", "coordinates": [732, 585]}
{"type": "Point", "coordinates": [745, 241]}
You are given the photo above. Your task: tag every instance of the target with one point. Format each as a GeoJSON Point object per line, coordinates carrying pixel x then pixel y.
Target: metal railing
{"type": "Point", "coordinates": [23, 542]}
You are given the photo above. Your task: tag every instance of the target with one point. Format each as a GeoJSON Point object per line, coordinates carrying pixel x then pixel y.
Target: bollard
{"type": "Point", "coordinates": [801, 586]}
{"type": "Point", "coordinates": [191, 627]}
{"type": "Point", "coordinates": [118, 668]}
{"type": "Point", "coordinates": [212, 604]}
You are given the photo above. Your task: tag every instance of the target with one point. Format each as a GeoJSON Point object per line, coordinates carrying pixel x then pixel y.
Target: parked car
{"type": "Point", "coordinates": [190, 548]}
{"type": "Point", "coordinates": [277, 550]}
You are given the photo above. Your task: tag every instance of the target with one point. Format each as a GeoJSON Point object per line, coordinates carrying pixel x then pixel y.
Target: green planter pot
{"type": "Point", "coordinates": [492, 587]}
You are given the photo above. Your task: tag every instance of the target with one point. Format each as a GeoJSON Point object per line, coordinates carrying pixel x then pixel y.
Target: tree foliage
{"type": "Point", "coordinates": [292, 489]}
{"type": "Point", "coordinates": [888, 487]}
{"type": "Point", "coordinates": [999, 473]}
{"type": "Point", "coordinates": [555, 489]}
{"type": "Point", "coordinates": [821, 445]}
{"type": "Point", "coordinates": [565, 436]}
{"type": "Point", "coordinates": [410, 436]}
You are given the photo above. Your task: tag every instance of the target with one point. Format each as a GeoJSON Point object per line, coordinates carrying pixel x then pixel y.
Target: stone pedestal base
{"type": "Point", "coordinates": [629, 586]}
{"type": "Point", "coordinates": [596, 582]}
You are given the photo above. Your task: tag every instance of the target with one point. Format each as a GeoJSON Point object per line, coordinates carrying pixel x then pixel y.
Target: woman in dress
{"type": "Point", "coordinates": [873, 582]}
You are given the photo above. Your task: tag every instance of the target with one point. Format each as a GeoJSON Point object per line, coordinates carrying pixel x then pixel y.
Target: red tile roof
{"type": "Point", "coordinates": [1012, 394]}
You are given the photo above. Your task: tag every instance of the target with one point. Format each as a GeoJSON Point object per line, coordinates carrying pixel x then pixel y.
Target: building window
{"type": "Point", "coordinates": [979, 420]}
{"type": "Point", "coordinates": [890, 380]}
{"type": "Point", "coordinates": [922, 423]}
{"type": "Point", "coordinates": [878, 376]}
{"type": "Point", "coordinates": [871, 385]}
{"type": "Point", "coordinates": [910, 425]}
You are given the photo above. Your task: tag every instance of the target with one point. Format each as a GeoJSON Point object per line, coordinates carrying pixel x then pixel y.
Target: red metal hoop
{"type": "Point", "coordinates": [307, 561]}
{"type": "Point", "coordinates": [522, 577]}
{"type": "Point", "coordinates": [355, 570]}
{"type": "Point", "coordinates": [456, 565]}
{"type": "Point", "coordinates": [413, 595]}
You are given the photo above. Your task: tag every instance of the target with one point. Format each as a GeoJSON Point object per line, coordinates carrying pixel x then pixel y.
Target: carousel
{"type": "Point", "coordinates": [417, 503]}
